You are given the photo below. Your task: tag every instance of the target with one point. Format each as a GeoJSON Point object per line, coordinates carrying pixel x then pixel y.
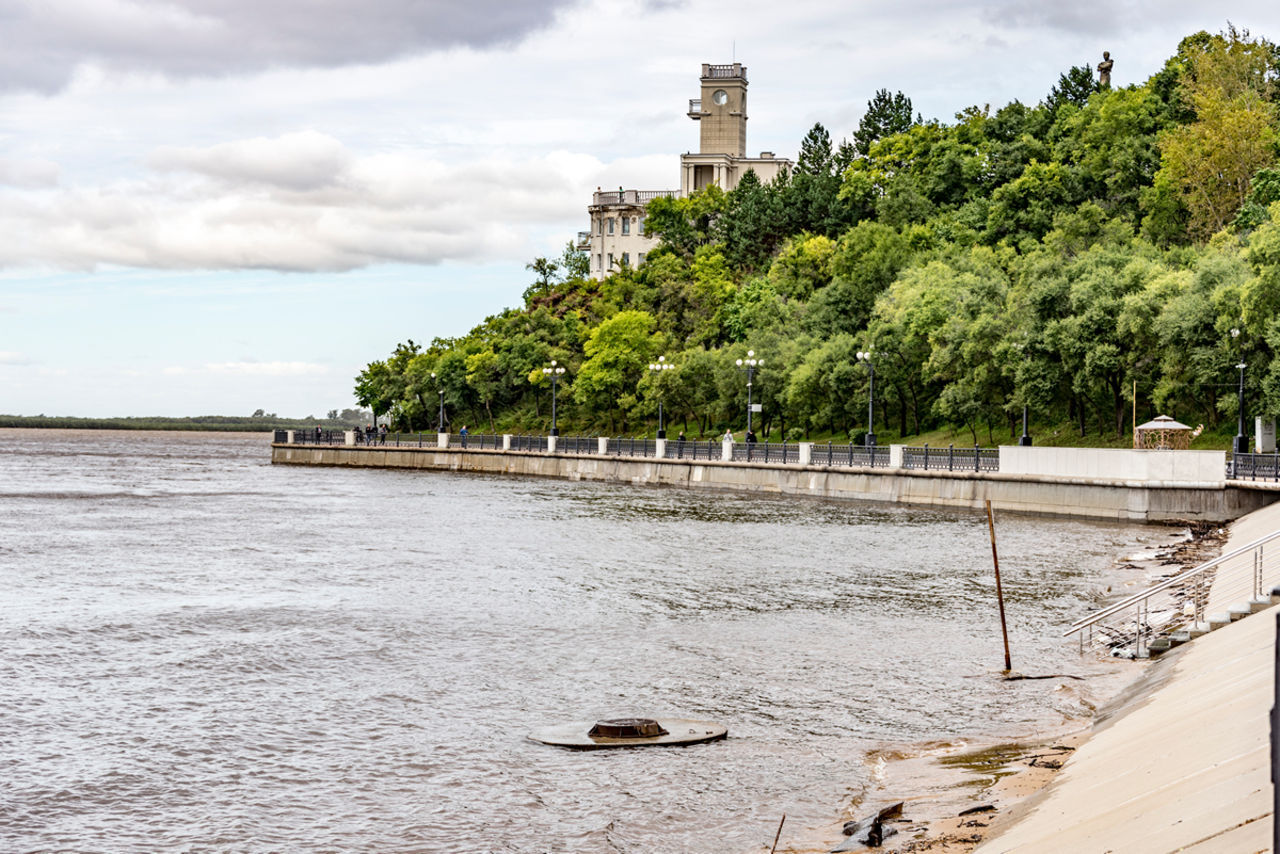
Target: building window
{"type": "Point", "coordinates": [626, 225]}
{"type": "Point", "coordinates": [640, 259]}
{"type": "Point", "coordinates": [611, 225]}
{"type": "Point", "coordinates": [597, 261]}
{"type": "Point", "coordinates": [610, 260]}
{"type": "Point", "coordinates": [626, 257]}
{"type": "Point", "coordinates": [600, 226]}
{"type": "Point", "coordinates": [641, 225]}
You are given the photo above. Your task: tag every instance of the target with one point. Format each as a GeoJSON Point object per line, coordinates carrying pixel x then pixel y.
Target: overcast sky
{"type": "Point", "coordinates": [215, 206]}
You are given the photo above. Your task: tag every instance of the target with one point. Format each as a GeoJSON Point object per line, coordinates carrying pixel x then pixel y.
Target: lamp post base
{"type": "Point", "coordinates": [1025, 441]}
{"type": "Point", "coordinates": [871, 440]}
{"type": "Point", "coordinates": [1241, 444]}
{"type": "Point", "coordinates": [662, 434]}
{"type": "Point", "coordinates": [554, 432]}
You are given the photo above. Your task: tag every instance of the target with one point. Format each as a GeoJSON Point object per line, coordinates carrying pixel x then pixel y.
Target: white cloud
{"type": "Point", "coordinates": [303, 202]}
{"type": "Point", "coordinates": [268, 369]}
{"type": "Point", "coordinates": [28, 174]}
{"type": "Point", "coordinates": [12, 358]}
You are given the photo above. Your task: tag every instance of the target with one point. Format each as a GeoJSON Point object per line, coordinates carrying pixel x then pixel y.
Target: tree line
{"type": "Point", "coordinates": [1057, 256]}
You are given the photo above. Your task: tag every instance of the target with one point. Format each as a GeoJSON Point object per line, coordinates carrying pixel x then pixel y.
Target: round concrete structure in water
{"type": "Point", "coordinates": [630, 732]}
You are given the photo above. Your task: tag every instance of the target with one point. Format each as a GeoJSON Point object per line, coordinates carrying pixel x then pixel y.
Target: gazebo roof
{"type": "Point", "coordinates": [1163, 422]}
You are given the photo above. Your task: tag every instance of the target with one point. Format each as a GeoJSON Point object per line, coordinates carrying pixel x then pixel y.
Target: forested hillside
{"type": "Point", "coordinates": [1052, 256]}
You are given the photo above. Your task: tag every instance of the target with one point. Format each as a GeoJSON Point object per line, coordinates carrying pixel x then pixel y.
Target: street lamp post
{"type": "Point", "coordinates": [658, 367]}
{"type": "Point", "coordinates": [555, 372]}
{"type": "Point", "coordinates": [440, 389]}
{"type": "Point", "coordinates": [1242, 441]}
{"type": "Point", "coordinates": [749, 365]}
{"type": "Point", "coordinates": [865, 356]}
{"type": "Point", "coordinates": [1025, 441]}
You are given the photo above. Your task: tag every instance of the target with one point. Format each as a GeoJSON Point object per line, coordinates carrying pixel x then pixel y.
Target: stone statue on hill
{"type": "Point", "coordinates": [1104, 70]}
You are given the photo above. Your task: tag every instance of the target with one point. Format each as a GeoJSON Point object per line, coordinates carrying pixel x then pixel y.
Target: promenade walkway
{"type": "Point", "coordinates": [1181, 763]}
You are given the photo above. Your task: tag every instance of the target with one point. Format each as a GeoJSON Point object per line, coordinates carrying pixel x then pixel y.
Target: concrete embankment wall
{"type": "Point", "coordinates": [1089, 497]}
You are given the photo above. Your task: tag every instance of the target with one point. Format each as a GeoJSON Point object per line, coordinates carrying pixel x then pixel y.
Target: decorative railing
{"type": "Point", "coordinates": [766, 452]}
{"type": "Point", "coordinates": [628, 447]}
{"type": "Point", "coordinates": [850, 455]}
{"type": "Point", "coordinates": [629, 197]}
{"type": "Point", "coordinates": [726, 71]}
{"type": "Point", "coordinates": [951, 458]}
{"type": "Point", "coordinates": [313, 437]}
{"type": "Point", "coordinates": [1254, 467]}
{"type": "Point", "coordinates": [476, 441]}
{"type": "Point", "coordinates": [528, 443]}
{"type": "Point", "coordinates": [692, 449]}
{"type": "Point", "coordinates": [577, 445]}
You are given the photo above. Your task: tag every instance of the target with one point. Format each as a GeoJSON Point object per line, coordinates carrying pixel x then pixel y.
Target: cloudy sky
{"type": "Point", "coordinates": [215, 206]}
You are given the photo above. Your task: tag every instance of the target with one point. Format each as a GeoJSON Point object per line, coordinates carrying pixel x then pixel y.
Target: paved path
{"type": "Point", "coordinates": [1182, 763]}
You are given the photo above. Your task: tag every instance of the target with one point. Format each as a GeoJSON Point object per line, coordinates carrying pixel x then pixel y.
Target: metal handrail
{"type": "Point", "coordinates": [1171, 581]}
{"type": "Point", "coordinates": [1196, 579]}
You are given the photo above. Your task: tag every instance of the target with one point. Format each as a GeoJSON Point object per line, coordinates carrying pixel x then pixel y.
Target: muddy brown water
{"type": "Point", "coordinates": [203, 652]}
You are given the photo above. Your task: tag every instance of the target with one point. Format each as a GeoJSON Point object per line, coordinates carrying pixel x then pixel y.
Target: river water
{"type": "Point", "coordinates": [200, 651]}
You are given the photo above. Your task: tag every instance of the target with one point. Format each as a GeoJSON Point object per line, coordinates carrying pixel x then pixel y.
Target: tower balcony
{"type": "Point", "coordinates": [638, 198]}
{"type": "Point", "coordinates": [695, 109]}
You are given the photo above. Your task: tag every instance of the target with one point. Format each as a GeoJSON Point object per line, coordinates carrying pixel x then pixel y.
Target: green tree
{"type": "Point", "coordinates": [886, 115]}
{"type": "Point", "coordinates": [618, 351]}
{"type": "Point", "coordinates": [1228, 83]}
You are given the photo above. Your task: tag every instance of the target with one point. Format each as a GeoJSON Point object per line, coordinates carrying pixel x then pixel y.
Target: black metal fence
{"type": "Point", "coordinates": [1254, 467]}
{"type": "Point", "coordinates": [628, 447]}
{"type": "Point", "coordinates": [475, 441]}
{"type": "Point", "coordinates": [951, 458]}
{"type": "Point", "coordinates": [528, 443]}
{"type": "Point", "coordinates": [692, 449]}
{"type": "Point", "coordinates": [313, 437]}
{"type": "Point", "coordinates": [577, 445]}
{"type": "Point", "coordinates": [766, 452]}
{"type": "Point", "coordinates": [831, 454]}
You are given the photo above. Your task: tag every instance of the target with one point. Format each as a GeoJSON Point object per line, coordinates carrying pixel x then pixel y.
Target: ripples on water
{"type": "Point", "coordinates": [200, 651]}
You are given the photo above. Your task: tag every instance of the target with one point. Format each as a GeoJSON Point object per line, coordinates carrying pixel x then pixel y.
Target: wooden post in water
{"type": "Point", "coordinates": [778, 835]}
{"type": "Point", "coordinates": [995, 559]}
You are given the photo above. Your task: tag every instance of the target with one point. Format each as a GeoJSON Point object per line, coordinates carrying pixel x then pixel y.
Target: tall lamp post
{"type": "Point", "coordinates": [1025, 441]}
{"type": "Point", "coordinates": [440, 389]}
{"type": "Point", "coordinates": [1242, 441]}
{"type": "Point", "coordinates": [865, 356]}
{"type": "Point", "coordinates": [749, 365]}
{"type": "Point", "coordinates": [658, 367]}
{"type": "Point", "coordinates": [555, 372]}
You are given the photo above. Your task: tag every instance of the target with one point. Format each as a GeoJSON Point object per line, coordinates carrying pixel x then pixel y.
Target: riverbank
{"type": "Point", "coordinates": [1046, 481]}
{"type": "Point", "coordinates": [1181, 762]}
{"type": "Point", "coordinates": [1177, 761]}
{"type": "Point", "coordinates": [956, 792]}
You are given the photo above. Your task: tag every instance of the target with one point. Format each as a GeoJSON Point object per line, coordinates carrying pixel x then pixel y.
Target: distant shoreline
{"type": "Point", "coordinates": [199, 423]}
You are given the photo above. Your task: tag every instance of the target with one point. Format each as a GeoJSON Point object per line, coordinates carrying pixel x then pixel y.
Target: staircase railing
{"type": "Point", "coordinates": [1228, 580]}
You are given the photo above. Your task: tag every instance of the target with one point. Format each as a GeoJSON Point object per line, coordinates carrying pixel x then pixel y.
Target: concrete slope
{"type": "Point", "coordinates": [1183, 764]}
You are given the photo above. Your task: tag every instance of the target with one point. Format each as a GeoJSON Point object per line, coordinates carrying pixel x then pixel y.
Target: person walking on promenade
{"type": "Point", "coordinates": [750, 437]}
{"type": "Point", "coordinates": [728, 436]}
{"type": "Point", "coordinates": [382, 435]}
{"type": "Point", "coordinates": [463, 433]}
